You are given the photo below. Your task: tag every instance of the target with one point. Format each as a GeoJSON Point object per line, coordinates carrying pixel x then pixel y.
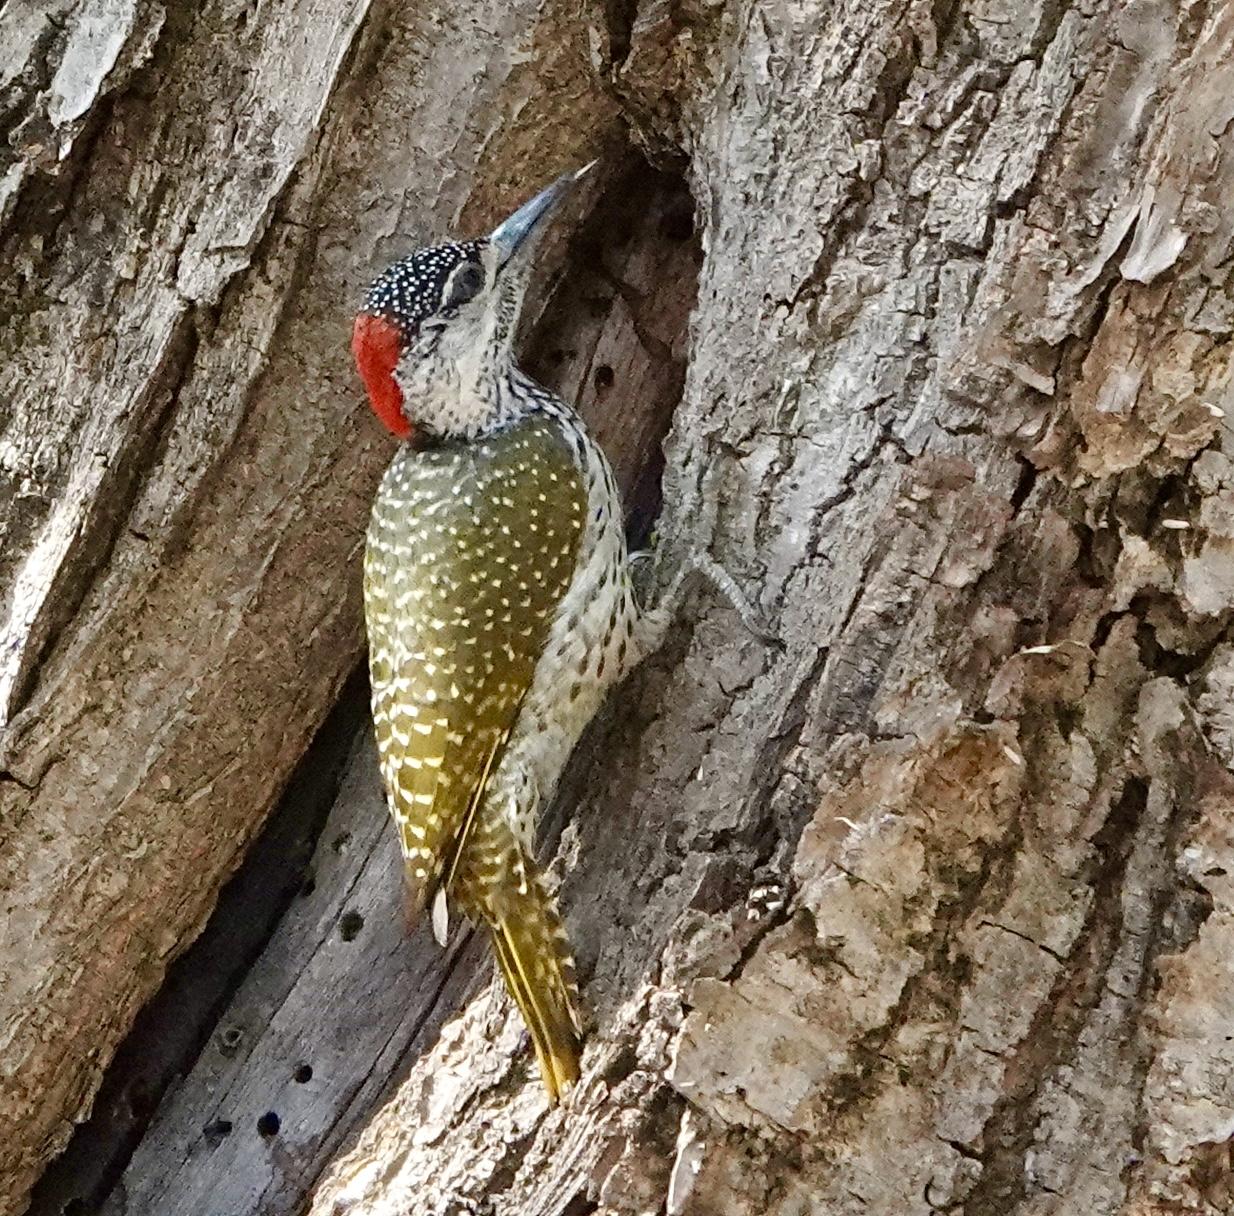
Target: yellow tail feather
{"type": "Point", "coordinates": [530, 952]}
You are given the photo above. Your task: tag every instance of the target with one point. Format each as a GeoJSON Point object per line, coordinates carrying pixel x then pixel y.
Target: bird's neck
{"type": "Point", "coordinates": [468, 408]}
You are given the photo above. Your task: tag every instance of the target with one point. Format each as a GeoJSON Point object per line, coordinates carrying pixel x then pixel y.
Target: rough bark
{"type": "Point", "coordinates": [930, 911]}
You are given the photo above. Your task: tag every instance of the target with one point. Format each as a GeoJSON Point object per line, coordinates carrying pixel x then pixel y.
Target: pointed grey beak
{"type": "Point", "coordinates": [512, 233]}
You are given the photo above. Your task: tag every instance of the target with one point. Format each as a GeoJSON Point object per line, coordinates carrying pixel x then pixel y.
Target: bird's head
{"type": "Point", "coordinates": [432, 341]}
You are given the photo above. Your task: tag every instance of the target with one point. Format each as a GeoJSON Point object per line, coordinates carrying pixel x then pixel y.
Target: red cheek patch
{"type": "Point", "coordinates": [375, 344]}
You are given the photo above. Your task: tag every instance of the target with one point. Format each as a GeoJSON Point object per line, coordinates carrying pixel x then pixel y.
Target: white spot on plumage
{"type": "Point", "coordinates": [441, 917]}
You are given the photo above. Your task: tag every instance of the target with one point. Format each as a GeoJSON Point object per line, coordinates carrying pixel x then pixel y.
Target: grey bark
{"type": "Point", "coordinates": [928, 912]}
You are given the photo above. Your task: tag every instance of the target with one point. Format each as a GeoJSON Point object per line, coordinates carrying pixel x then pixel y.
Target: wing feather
{"type": "Point", "coordinates": [470, 550]}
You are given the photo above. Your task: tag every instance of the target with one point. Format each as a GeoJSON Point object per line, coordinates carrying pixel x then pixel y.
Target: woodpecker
{"type": "Point", "coordinates": [498, 602]}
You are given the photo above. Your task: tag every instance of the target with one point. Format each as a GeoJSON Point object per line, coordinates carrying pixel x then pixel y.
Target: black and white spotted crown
{"type": "Point", "coordinates": [413, 287]}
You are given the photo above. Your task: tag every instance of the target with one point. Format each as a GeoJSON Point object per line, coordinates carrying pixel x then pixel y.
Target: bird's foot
{"type": "Point", "coordinates": [658, 620]}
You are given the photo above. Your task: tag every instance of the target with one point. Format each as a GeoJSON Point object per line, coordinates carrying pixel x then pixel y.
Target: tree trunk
{"type": "Point", "coordinates": [929, 910]}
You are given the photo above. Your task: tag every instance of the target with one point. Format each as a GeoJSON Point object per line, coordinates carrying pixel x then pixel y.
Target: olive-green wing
{"type": "Point", "coordinates": [470, 550]}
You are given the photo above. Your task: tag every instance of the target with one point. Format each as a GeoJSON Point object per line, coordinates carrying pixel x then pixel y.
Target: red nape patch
{"type": "Point", "coordinates": [375, 343]}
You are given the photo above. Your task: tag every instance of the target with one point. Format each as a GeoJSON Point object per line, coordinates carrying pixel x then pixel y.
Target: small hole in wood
{"type": "Point", "coordinates": [341, 841]}
{"type": "Point", "coordinates": [350, 926]}
{"type": "Point", "coordinates": [604, 376]}
{"type": "Point", "coordinates": [268, 1125]}
{"type": "Point", "coordinates": [230, 1039]}
{"type": "Point", "coordinates": [307, 887]}
{"type": "Point", "coordinates": [303, 1074]}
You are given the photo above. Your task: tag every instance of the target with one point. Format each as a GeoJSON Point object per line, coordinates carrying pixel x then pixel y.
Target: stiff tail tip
{"type": "Point", "coordinates": [541, 991]}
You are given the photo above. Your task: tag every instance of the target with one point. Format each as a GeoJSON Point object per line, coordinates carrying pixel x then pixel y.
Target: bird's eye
{"type": "Point", "coordinates": [464, 285]}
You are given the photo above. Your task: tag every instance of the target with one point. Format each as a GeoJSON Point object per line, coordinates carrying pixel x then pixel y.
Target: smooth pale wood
{"type": "Point", "coordinates": [340, 989]}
